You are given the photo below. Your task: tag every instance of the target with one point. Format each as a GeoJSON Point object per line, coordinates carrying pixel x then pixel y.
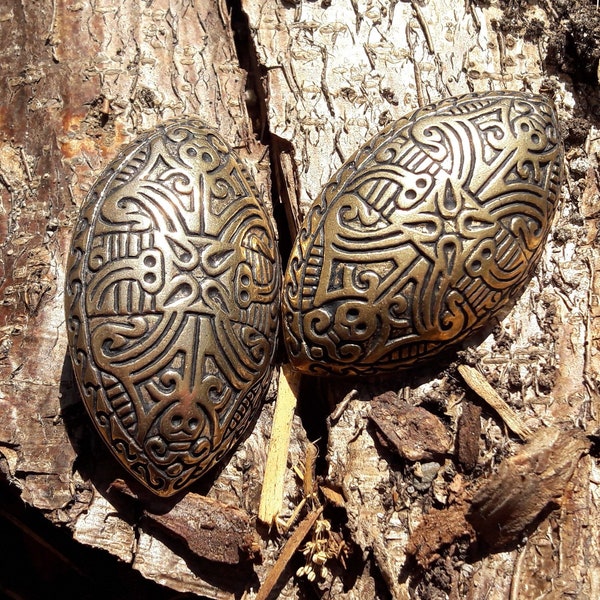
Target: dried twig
{"type": "Point", "coordinates": [287, 552]}
{"type": "Point", "coordinates": [480, 385]}
{"type": "Point", "coordinates": [272, 490]}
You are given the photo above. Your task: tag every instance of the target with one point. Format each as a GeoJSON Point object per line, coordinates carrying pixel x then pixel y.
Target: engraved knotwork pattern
{"type": "Point", "coordinates": [172, 304]}
{"type": "Point", "coordinates": [425, 233]}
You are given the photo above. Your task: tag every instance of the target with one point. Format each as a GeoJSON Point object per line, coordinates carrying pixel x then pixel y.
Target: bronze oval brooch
{"type": "Point", "coordinates": [172, 303]}
{"type": "Point", "coordinates": [424, 235]}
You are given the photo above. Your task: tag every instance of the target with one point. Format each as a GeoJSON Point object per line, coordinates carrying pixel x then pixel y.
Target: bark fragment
{"type": "Point", "coordinates": [209, 528]}
{"type": "Point", "coordinates": [438, 531]}
{"type": "Point", "coordinates": [467, 436]}
{"type": "Point", "coordinates": [411, 431]}
{"type": "Point", "coordinates": [526, 484]}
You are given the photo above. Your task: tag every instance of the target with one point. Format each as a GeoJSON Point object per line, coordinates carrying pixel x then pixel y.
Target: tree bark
{"type": "Point", "coordinates": [81, 79]}
{"type": "Point", "coordinates": [296, 88]}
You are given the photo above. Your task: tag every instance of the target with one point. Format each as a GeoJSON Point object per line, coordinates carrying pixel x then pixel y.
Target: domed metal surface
{"type": "Point", "coordinates": [424, 235]}
{"type": "Point", "coordinates": [172, 304]}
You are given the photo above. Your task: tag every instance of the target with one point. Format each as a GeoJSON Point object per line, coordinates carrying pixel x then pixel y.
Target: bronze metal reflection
{"type": "Point", "coordinates": [424, 235]}
{"type": "Point", "coordinates": [172, 303]}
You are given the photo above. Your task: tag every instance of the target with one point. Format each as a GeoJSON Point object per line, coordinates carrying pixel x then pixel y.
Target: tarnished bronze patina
{"type": "Point", "coordinates": [426, 233]}
{"type": "Point", "coordinates": [172, 304]}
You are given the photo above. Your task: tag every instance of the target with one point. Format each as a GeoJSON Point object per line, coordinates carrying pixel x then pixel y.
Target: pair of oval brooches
{"type": "Point", "coordinates": [174, 280]}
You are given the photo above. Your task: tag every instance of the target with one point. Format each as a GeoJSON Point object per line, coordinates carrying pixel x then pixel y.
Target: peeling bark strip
{"type": "Point", "coordinates": [526, 484]}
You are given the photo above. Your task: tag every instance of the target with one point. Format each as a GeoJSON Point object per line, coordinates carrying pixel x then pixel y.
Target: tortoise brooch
{"type": "Point", "coordinates": [425, 234]}
{"type": "Point", "coordinates": [172, 304]}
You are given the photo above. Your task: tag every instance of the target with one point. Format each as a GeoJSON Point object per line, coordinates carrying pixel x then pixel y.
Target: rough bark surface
{"type": "Point", "coordinates": [296, 87]}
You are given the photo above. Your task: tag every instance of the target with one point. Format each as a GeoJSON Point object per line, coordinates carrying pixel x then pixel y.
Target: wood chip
{"type": "Point", "coordinates": [411, 431]}
{"type": "Point", "coordinates": [287, 552]}
{"type": "Point", "coordinates": [480, 385]}
{"type": "Point", "coordinates": [272, 490]}
{"type": "Point", "coordinates": [308, 482]}
{"type": "Point", "coordinates": [512, 499]}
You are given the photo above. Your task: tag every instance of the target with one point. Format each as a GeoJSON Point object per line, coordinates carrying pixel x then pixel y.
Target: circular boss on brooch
{"type": "Point", "coordinates": [173, 280]}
